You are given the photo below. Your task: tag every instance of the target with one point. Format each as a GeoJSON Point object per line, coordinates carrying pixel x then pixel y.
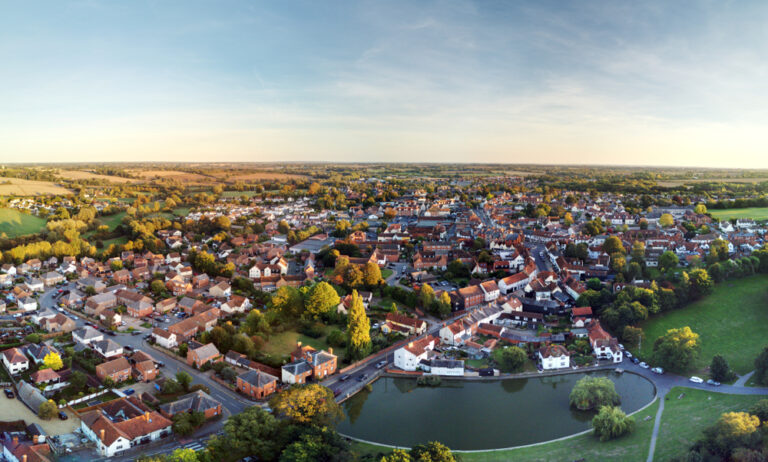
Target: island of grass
{"type": "Point", "coordinates": [14, 223]}
{"type": "Point", "coordinates": [732, 322]}
{"type": "Point", "coordinates": [633, 447]}
{"type": "Point", "coordinates": [684, 419]}
{"type": "Point", "coordinates": [755, 213]}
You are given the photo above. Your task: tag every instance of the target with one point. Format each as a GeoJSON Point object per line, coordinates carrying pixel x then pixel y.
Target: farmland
{"type": "Point", "coordinates": [19, 187]}
{"type": "Point", "coordinates": [755, 213]}
{"type": "Point", "coordinates": [83, 175]}
{"type": "Point", "coordinates": [14, 223]}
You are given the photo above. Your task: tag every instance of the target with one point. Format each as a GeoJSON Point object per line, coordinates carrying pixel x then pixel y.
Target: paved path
{"type": "Point", "coordinates": [743, 379]}
{"type": "Point", "coordinates": [656, 425]}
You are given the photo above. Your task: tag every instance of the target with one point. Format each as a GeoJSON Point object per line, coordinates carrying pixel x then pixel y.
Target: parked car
{"type": "Point", "coordinates": [714, 383]}
{"type": "Point", "coordinates": [381, 364]}
{"type": "Point", "coordinates": [111, 333]}
{"type": "Point", "coordinates": [136, 332]}
{"type": "Point", "coordinates": [628, 354]}
{"type": "Point", "coordinates": [160, 364]}
{"type": "Point", "coordinates": [695, 379]}
{"type": "Point", "coordinates": [362, 377]}
{"type": "Point", "coordinates": [9, 393]}
{"type": "Point", "coordinates": [657, 370]}
{"type": "Point", "coordinates": [129, 392]}
{"type": "Point", "coordinates": [644, 365]}
{"type": "Point", "coordinates": [621, 347]}
{"type": "Point", "coordinates": [127, 347]}
{"type": "Point", "coordinates": [63, 416]}
{"type": "Point", "coordinates": [635, 361]}
{"type": "Point", "coordinates": [345, 377]}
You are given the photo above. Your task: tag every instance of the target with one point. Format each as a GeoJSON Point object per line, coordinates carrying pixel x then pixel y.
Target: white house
{"type": "Point", "coordinates": [603, 345]}
{"type": "Point", "coordinates": [490, 290]}
{"type": "Point", "coordinates": [164, 338]}
{"type": "Point", "coordinates": [107, 348]}
{"type": "Point", "coordinates": [554, 357]}
{"type": "Point", "coordinates": [455, 333]}
{"type": "Point", "coordinates": [122, 425]}
{"type": "Point", "coordinates": [513, 283]}
{"type": "Point", "coordinates": [86, 335]}
{"type": "Point", "coordinates": [15, 361]}
{"type": "Point", "coordinates": [450, 367]}
{"type": "Point", "coordinates": [27, 304]}
{"type": "Point", "coordinates": [236, 304]}
{"type": "Point", "coordinates": [408, 357]}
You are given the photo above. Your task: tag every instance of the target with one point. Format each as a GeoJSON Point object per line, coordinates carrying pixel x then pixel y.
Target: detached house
{"type": "Point", "coordinates": [15, 361]}
{"type": "Point", "coordinates": [197, 401]}
{"type": "Point", "coordinates": [554, 357]}
{"type": "Point", "coordinates": [404, 324]}
{"type": "Point", "coordinates": [118, 370]}
{"type": "Point", "coordinates": [164, 338]}
{"type": "Point", "coordinates": [307, 362]}
{"type": "Point", "coordinates": [603, 345]}
{"type": "Point", "coordinates": [410, 356]}
{"type": "Point", "coordinates": [199, 356]}
{"type": "Point", "coordinates": [256, 384]}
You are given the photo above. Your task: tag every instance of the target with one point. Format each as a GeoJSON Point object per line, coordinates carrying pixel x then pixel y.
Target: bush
{"type": "Point", "coordinates": [720, 371]}
{"type": "Point", "coordinates": [33, 338]}
{"type": "Point", "coordinates": [229, 374]}
{"type": "Point", "coordinates": [47, 410]}
{"type": "Point", "coordinates": [313, 330]}
{"type": "Point", "coordinates": [611, 422]}
{"type": "Point", "coordinates": [199, 386]}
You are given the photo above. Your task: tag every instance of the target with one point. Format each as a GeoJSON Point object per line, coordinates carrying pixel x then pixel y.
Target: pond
{"type": "Point", "coordinates": [487, 414]}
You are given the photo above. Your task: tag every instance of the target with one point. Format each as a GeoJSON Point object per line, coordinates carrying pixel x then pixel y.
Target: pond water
{"type": "Point", "coordinates": [487, 414]}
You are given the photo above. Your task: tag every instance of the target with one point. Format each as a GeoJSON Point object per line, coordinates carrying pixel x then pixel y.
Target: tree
{"type": "Point", "coordinates": [315, 444]}
{"type": "Point", "coordinates": [632, 335]}
{"type": "Point", "coordinates": [668, 260]}
{"type": "Point", "coordinates": [432, 452]}
{"type": "Point", "coordinates": [760, 409]}
{"type": "Point", "coordinates": [678, 349]}
{"type": "Point", "coordinates": [426, 296]}
{"type": "Point", "coordinates": [638, 251]}
{"type": "Point", "coordinates": [700, 283]}
{"type": "Point", "coordinates": [510, 359]}
{"type": "Point", "coordinates": [33, 338]}
{"type": "Point", "coordinates": [444, 305]}
{"type": "Point", "coordinates": [253, 432]}
{"type": "Point", "coordinates": [700, 209]}
{"type": "Point", "coordinates": [184, 379]}
{"type": "Point", "coordinates": [116, 265]}
{"type": "Point", "coordinates": [761, 368]}
{"type": "Point", "coordinates": [307, 404]}
{"type": "Point", "coordinates": [593, 392]}
{"type": "Point", "coordinates": [719, 369]}
{"type": "Point", "coordinates": [611, 422]}
{"type": "Point", "coordinates": [358, 329]}
{"type": "Point", "coordinates": [613, 245]}
{"type": "Point", "coordinates": [371, 274]}
{"type": "Point", "coordinates": [47, 410]}
{"type": "Point", "coordinates": [157, 287]}
{"type": "Point", "coordinates": [287, 301]}
{"type": "Point", "coordinates": [732, 430]}
{"type": "Point", "coordinates": [321, 300]}
{"type": "Point", "coordinates": [666, 220]}
{"type": "Point", "coordinates": [283, 227]}
{"type": "Point", "coordinates": [398, 455]}
{"type": "Point", "coordinates": [53, 361]}
{"type": "Point", "coordinates": [77, 380]}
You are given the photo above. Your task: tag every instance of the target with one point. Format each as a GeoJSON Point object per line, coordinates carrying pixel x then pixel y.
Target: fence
{"type": "Point", "coordinates": [84, 398]}
{"type": "Point", "coordinates": [354, 390]}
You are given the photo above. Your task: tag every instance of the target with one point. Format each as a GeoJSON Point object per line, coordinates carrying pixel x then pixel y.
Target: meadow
{"type": "Point", "coordinates": [14, 223]}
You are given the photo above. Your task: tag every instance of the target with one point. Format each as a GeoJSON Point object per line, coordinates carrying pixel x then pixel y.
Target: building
{"type": "Point", "coordinates": [404, 324]}
{"type": "Point", "coordinates": [408, 357]}
{"type": "Point", "coordinates": [450, 367]}
{"type": "Point", "coordinates": [554, 357]}
{"type": "Point", "coordinates": [307, 362]}
{"type": "Point", "coordinates": [87, 335]}
{"type": "Point", "coordinates": [164, 338]}
{"type": "Point", "coordinates": [107, 348]}
{"type": "Point", "coordinates": [199, 356]}
{"type": "Point", "coordinates": [15, 361]}
{"type": "Point", "coordinates": [197, 401]}
{"type": "Point", "coordinates": [603, 344]}
{"type": "Point", "coordinates": [118, 370]}
{"type": "Point", "coordinates": [256, 384]}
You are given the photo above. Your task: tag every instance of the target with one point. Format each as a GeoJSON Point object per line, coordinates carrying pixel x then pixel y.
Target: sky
{"type": "Point", "coordinates": [679, 83]}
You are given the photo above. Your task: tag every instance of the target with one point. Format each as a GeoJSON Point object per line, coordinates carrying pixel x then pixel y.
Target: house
{"type": "Point", "coordinates": [296, 372]}
{"type": "Point", "coordinates": [18, 446]}
{"type": "Point", "coordinates": [118, 370]}
{"type": "Point", "coordinates": [199, 356]}
{"type": "Point", "coordinates": [581, 316]}
{"type": "Point", "coordinates": [100, 302]}
{"type": "Point", "coordinates": [184, 330]}
{"type": "Point", "coordinates": [14, 360]}
{"type": "Point", "coordinates": [107, 348]}
{"type": "Point", "coordinates": [323, 362]}
{"type": "Point", "coordinates": [136, 304]}
{"type": "Point", "coordinates": [52, 278]}
{"type": "Point", "coordinates": [490, 290]}
{"type": "Point", "coordinates": [236, 304]}
{"type": "Point", "coordinates": [27, 304]}
{"type": "Point", "coordinates": [553, 357]}
{"type": "Point", "coordinates": [122, 276]}
{"type": "Point", "coordinates": [166, 305]}
{"type": "Point", "coordinates": [87, 335]}
{"type": "Point", "coordinates": [455, 333]}
{"type": "Point", "coordinates": [256, 384]}
{"type": "Point", "coordinates": [408, 357]}
{"type": "Point", "coordinates": [58, 323]}
{"type": "Point", "coordinates": [122, 424]}
{"type": "Point", "coordinates": [38, 351]}
{"type": "Point", "coordinates": [513, 283]}
{"type": "Point", "coordinates": [450, 367]}
{"type": "Point", "coordinates": [45, 377]}
{"type": "Point", "coordinates": [470, 296]}
{"type": "Point", "coordinates": [197, 401]}
{"type": "Point", "coordinates": [144, 367]}
{"type": "Point", "coordinates": [221, 289]}
{"type": "Point", "coordinates": [405, 324]}
{"type": "Point", "coordinates": [164, 338]}
{"type": "Point", "coordinates": [603, 344]}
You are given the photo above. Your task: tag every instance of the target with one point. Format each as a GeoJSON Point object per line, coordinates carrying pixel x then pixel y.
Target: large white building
{"type": "Point", "coordinates": [408, 357]}
{"type": "Point", "coordinates": [554, 357]}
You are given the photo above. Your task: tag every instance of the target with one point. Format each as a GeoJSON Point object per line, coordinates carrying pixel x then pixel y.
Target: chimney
{"type": "Point", "coordinates": [146, 416]}
{"type": "Point", "coordinates": [24, 458]}
{"type": "Point", "coordinates": [15, 440]}
{"type": "Point", "coordinates": [101, 434]}
{"type": "Point", "coordinates": [298, 344]}
{"type": "Point", "coordinates": [330, 350]}
{"type": "Point", "coordinates": [410, 344]}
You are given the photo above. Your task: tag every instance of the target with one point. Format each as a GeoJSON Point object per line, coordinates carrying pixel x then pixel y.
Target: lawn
{"type": "Point", "coordinates": [181, 211]}
{"type": "Point", "coordinates": [284, 343]}
{"type": "Point", "coordinates": [14, 223]}
{"type": "Point", "coordinates": [756, 213]}
{"type": "Point", "coordinates": [112, 220]}
{"type": "Point", "coordinates": [684, 419]}
{"type": "Point", "coordinates": [386, 272]}
{"type": "Point", "coordinates": [633, 447]}
{"type": "Point", "coordinates": [732, 321]}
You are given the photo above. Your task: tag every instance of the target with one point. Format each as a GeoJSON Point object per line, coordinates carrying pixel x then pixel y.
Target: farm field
{"type": "Point", "coordinates": [264, 176]}
{"type": "Point", "coordinates": [633, 447]}
{"type": "Point", "coordinates": [732, 321]}
{"type": "Point", "coordinates": [14, 223]}
{"type": "Point", "coordinates": [755, 213]}
{"type": "Point", "coordinates": [676, 183]}
{"type": "Point", "coordinates": [20, 187]}
{"type": "Point", "coordinates": [684, 419]}
{"type": "Point", "coordinates": [83, 175]}
{"type": "Point", "coordinates": [184, 177]}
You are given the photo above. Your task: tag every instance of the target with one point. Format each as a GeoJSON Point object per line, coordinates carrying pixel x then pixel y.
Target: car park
{"type": "Point", "coordinates": [714, 383]}
{"type": "Point", "coordinates": [657, 370]}
{"type": "Point", "coordinates": [695, 379]}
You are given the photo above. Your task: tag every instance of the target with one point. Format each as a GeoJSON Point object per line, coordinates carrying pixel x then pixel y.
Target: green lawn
{"type": "Point", "coordinates": [181, 211]}
{"type": "Point", "coordinates": [386, 272]}
{"type": "Point", "coordinates": [756, 213]}
{"type": "Point", "coordinates": [239, 193]}
{"type": "Point", "coordinates": [284, 343]}
{"type": "Point", "coordinates": [14, 223]}
{"type": "Point", "coordinates": [112, 220]}
{"type": "Point", "coordinates": [732, 321]}
{"type": "Point", "coordinates": [633, 447]}
{"type": "Point", "coordinates": [684, 419]}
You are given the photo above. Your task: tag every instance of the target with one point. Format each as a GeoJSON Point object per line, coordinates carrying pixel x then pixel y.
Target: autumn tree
{"type": "Point", "coordinates": [358, 329]}
{"type": "Point", "coordinates": [321, 300]}
{"type": "Point", "coordinates": [53, 361]}
{"type": "Point", "coordinates": [666, 220]}
{"type": "Point", "coordinates": [371, 274]}
{"type": "Point", "coordinates": [307, 404]}
{"type": "Point", "coordinates": [47, 410]}
{"type": "Point", "coordinates": [613, 245]}
{"type": "Point", "coordinates": [288, 301]}
{"type": "Point", "coordinates": [426, 295]}
{"type": "Point", "coordinates": [678, 349]}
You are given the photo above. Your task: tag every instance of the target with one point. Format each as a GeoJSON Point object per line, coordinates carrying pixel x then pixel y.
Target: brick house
{"type": "Point", "coordinates": [197, 401]}
{"type": "Point", "coordinates": [119, 370]}
{"type": "Point", "coordinates": [256, 384]}
{"type": "Point", "coordinates": [199, 356]}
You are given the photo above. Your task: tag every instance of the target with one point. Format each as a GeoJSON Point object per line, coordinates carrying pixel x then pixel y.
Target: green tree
{"type": "Point", "coordinates": [321, 300]}
{"type": "Point", "coordinates": [288, 301]}
{"type": "Point", "coordinates": [760, 409]}
{"type": "Point", "coordinates": [678, 349]}
{"type": "Point", "coordinates": [253, 432]}
{"type": "Point", "coordinates": [432, 452]}
{"type": "Point", "coordinates": [668, 260]}
{"type": "Point", "coordinates": [593, 392]}
{"type": "Point", "coordinates": [733, 430]}
{"type": "Point", "coordinates": [283, 227]}
{"type": "Point", "coordinates": [632, 336]}
{"type": "Point", "coordinates": [77, 381]}
{"type": "Point", "coordinates": [611, 422]}
{"type": "Point", "coordinates": [184, 379]}
{"type": "Point", "coordinates": [719, 369]}
{"type": "Point", "coordinates": [700, 283]}
{"type": "Point", "coordinates": [52, 361]}
{"type": "Point", "coordinates": [761, 367]}
{"type": "Point", "coordinates": [47, 410]}
{"type": "Point", "coordinates": [358, 329]}
{"type": "Point", "coordinates": [510, 359]}
{"type": "Point", "coordinates": [315, 444]}
{"type": "Point", "coordinates": [307, 404]}
{"type": "Point", "coordinates": [157, 287]}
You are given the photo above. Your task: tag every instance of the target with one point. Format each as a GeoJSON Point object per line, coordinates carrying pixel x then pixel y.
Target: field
{"type": "Point", "coordinates": [633, 447]}
{"type": "Point", "coordinates": [265, 176]}
{"type": "Point", "coordinates": [284, 343]}
{"type": "Point", "coordinates": [732, 321]}
{"type": "Point", "coordinates": [684, 419]}
{"type": "Point", "coordinates": [755, 213]}
{"type": "Point", "coordinates": [14, 223]}
{"type": "Point", "coordinates": [112, 220]}
{"type": "Point", "coordinates": [676, 183]}
{"type": "Point", "coordinates": [82, 175]}
{"type": "Point", "coordinates": [19, 187]}
{"type": "Point", "coordinates": [183, 177]}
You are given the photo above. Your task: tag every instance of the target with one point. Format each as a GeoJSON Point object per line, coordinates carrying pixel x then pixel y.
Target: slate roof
{"type": "Point", "coordinates": [197, 401]}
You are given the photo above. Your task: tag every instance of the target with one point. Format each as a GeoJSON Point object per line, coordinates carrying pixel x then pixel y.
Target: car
{"type": "Point", "coordinates": [362, 377]}
{"type": "Point", "coordinates": [714, 383]}
{"type": "Point", "coordinates": [635, 361]}
{"type": "Point", "coordinates": [9, 393]}
{"type": "Point", "coordinates": [345, 377]}
{"type": "Point", "coordinates": [128, 347]}
{"type": "Point", "coordinates": [657, 370]}
{"type": "Point", "coordinates": [644, 365]}
{"type": "Point", "coordinates": [695, 379]}
{"type": "Point", "coordinates": [61, 291]}
{"type": "Point", "coordinates": [129, 392]}
{"type": "Point", "coordinates": [160, 364]}
{"type": "Point", "coordinates": [381, 364]}
{"type": "Point", "coordinates": [621, 347]}
{"type": "Point", "coordinates": [63, 415]}
{"type": "Point", "coordinates": [111, 333]}
{"type": "Point", "coordinates": [136, 332]}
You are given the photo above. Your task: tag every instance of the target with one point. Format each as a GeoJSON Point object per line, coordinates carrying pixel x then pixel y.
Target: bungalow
{"type": "Point", "coordinates": [200, 356]}
{"type": "Point", "coordinates": [554, 357]}
{"type": "Point", "coordinates": [405, 324]}
{"type": "Point", "coordinates": [15, 361]}
{"type": "Point", "coordinates": [38, 351]}
{"type": "Point", "coordinates": [197, 401]}
{"type": "Point", "coordinates": [87, 335]}
{"type": "Point", "coordinates": [256, 384]}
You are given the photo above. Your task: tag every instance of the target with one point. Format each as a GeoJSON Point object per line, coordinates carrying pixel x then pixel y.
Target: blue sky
{"type": "Point", "coordinates": [644, 83]}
